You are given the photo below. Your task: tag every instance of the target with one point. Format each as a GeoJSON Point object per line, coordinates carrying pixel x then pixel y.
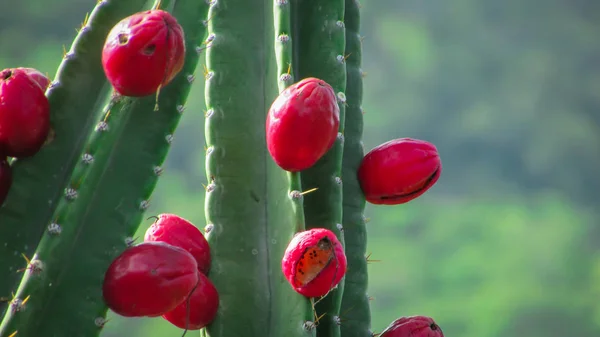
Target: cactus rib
{"type": "Point", "coordinates": [319, 52]}
{"type": "Point", "coordinates": [76, 98]}
{"type": "Point", "coordinates": [250, 226]}
{"type": "Point", "coordinates": [355, 312]}
{"type": "Point", "coordinates": [283, 55]}
{"type": "Point", "coordinates": [108, 194]}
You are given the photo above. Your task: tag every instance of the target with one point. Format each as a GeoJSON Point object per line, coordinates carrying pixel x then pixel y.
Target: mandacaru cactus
{"type": "Point", "coordinates": [284, 243]}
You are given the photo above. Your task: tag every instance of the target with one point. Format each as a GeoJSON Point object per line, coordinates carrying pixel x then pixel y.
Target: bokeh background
{"type": "Point", "coordinates": [507, 242]}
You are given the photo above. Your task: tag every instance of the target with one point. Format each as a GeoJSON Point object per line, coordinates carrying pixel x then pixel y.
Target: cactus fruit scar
{"type": "Point", "coordinates": [24, 114]}
{"type": "Point", "coordinates": [143, 52]}
{"type": "Point", "coordinates": [413, 326]}
{"type": "Point", "coordinates": [314, 262]}
{"type": "Point", "coordinates": [42, 80]}
{"type": "Point", "coordinates": [5, 179]}
{"type": "Point", "coordinates": [203, 305]}
{"type": "Point", "coordinates": [149, 279]}
{"type": "Point", "coordinates": [399, 171]}
{"type": "Point", "coordinates": [179, 232]}
{"type": "Point", "coordinates": [302, 124]}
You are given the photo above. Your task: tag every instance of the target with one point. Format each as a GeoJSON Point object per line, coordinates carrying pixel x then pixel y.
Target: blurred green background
{"type": "Point", "coordinates": [507, 242]}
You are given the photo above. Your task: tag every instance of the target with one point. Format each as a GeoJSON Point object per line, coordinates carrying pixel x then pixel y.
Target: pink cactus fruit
{"type": "Point", "coordinates": [314, 262]}
{"type": "Point", "coordinates": [413, 326]}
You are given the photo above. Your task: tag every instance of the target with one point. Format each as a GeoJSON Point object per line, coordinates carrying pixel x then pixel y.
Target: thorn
{"type": "Point", "coordinates": [371, 298]}
{"type": "Point", "coordinates": [4, 299]}
{"type": "Point", "coordinates": [205, 71]}
{"type": "Point", "coordinates": [64, 51]}
{"type": "Point", "coordinates": [210, 17]}
{"type": "Point", "coordinates": [25, 300]}
{"type": "Point", "coordinates": [13, 334]}
{"type": "Point", "coordinates": [317, 319]}
{"type": "Point", "coordinates": [347, 56]}
{"type": "Point", "coordinates": [289, 71]}
{"type": "Point", "coordinates": [363, 74]}
{"type": "Point", "coordinates": [156, 97]}
{"type": "Point", "coordinates": [368, 258]}
{"type": "Point", "coordinates": [157, 5]}
{"type": "Point", "coordinates": [309, 191]}
{"type": "Point", "coordinates": [84, 23]}
{"type": "Point", "coordinates": [367, 220]}
{"type": "Point", "coordinates": [106, 116]}
{"type": "Point", "coordinates": [28, 263]}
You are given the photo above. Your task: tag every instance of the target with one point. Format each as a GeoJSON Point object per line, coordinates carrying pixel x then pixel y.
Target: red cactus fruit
{"type": "Point", "coordinates": [5, 179]}
{"type": "Point", "coordinates": [302, 124]}
{"type": "Point", "coordinates": [42, 80]}
{"type": "Point", "coordinates": [177, 231]}
{"type": "Point", "coordinates": [413, 326]}
{"type": "Point", "coordinates": [399, 171]}
{"type": "Point", "coordinates": [314, 262]}
{"type": "Point", "coordinates": [204, 303]}
{"type": "Point", "coordinates": [24, 114]}
{"type": "Point", "coordinates": [142, 52]}
{"type": "Point", "coordinates": [149, 279]}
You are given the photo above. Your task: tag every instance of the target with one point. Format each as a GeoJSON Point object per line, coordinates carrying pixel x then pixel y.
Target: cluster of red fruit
{"type": "Point", "coordinates": [149, 40]}
{"type": "Point", "coordinates": [302, 125]}
{"type": "Point", "coordinates": [24, 118]}
{"type": "Point", "coordinates": [166, 276]}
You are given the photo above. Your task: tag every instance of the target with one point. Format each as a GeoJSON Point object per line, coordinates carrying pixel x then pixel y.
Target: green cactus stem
{"type": "Point", "coordinates": [283, 55]}
{"type": "Point", "coordinates": [319, 47]}
{"type": "Point", "coordinates": [249, 226]}
{"type": "Point", "coordinates": [76, 98]}
{"type": "Point", "coordinates": [356, 312]}
{"type": "Point", "coordinates": [104, 204]}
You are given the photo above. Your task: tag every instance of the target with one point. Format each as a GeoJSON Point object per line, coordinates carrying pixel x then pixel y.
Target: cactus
{"type": "Point", "coordinates": [92, 181]}
{"type": "Point", "coordinates": [355, 311]}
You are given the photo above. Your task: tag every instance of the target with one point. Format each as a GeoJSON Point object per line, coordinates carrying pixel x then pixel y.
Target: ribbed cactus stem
{"type": "Point", "coordinates": [103, 204]}
{"type": "Point", "coordinates": [76, 98]}
{"type": "Point", "coordinates": [355, 313]}
{"type": "Point", "coordinates": [319, 35]}
{"type": "Point", "coordinates": [249, 219]}
{"type": "Point", "coordinates": [285, 77]}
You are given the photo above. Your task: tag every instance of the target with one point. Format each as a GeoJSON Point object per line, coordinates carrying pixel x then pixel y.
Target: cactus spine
{"type": "Point", "coordinates": [355, 312]}
{"type": "Point", "coordinates": [99, 180]}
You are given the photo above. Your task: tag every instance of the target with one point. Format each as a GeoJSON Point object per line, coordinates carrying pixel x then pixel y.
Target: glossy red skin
{"type": "Point", "coordinates": [329, 277]}
{"type": "Point", "coordinates": [5, 179]}
{"type": "Point", "coordinates": [149, 279]}
{"type": "Point", "coordinates": [38, 77]}
{"type": "Point", "coordinates": [177, 231]}
{"type": "Point", "coordinates": [399, 171]}
{"type": "Point", "coordinates": [24, 114]}
{"type": "Point", "coordinates": [204, 304]}
{"type": "Point", "coordinates": [302, 124]}
{"type": "Point", "coordinates": [413, 326]}
{"type": "Point", "coordinates": [131, 68]}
